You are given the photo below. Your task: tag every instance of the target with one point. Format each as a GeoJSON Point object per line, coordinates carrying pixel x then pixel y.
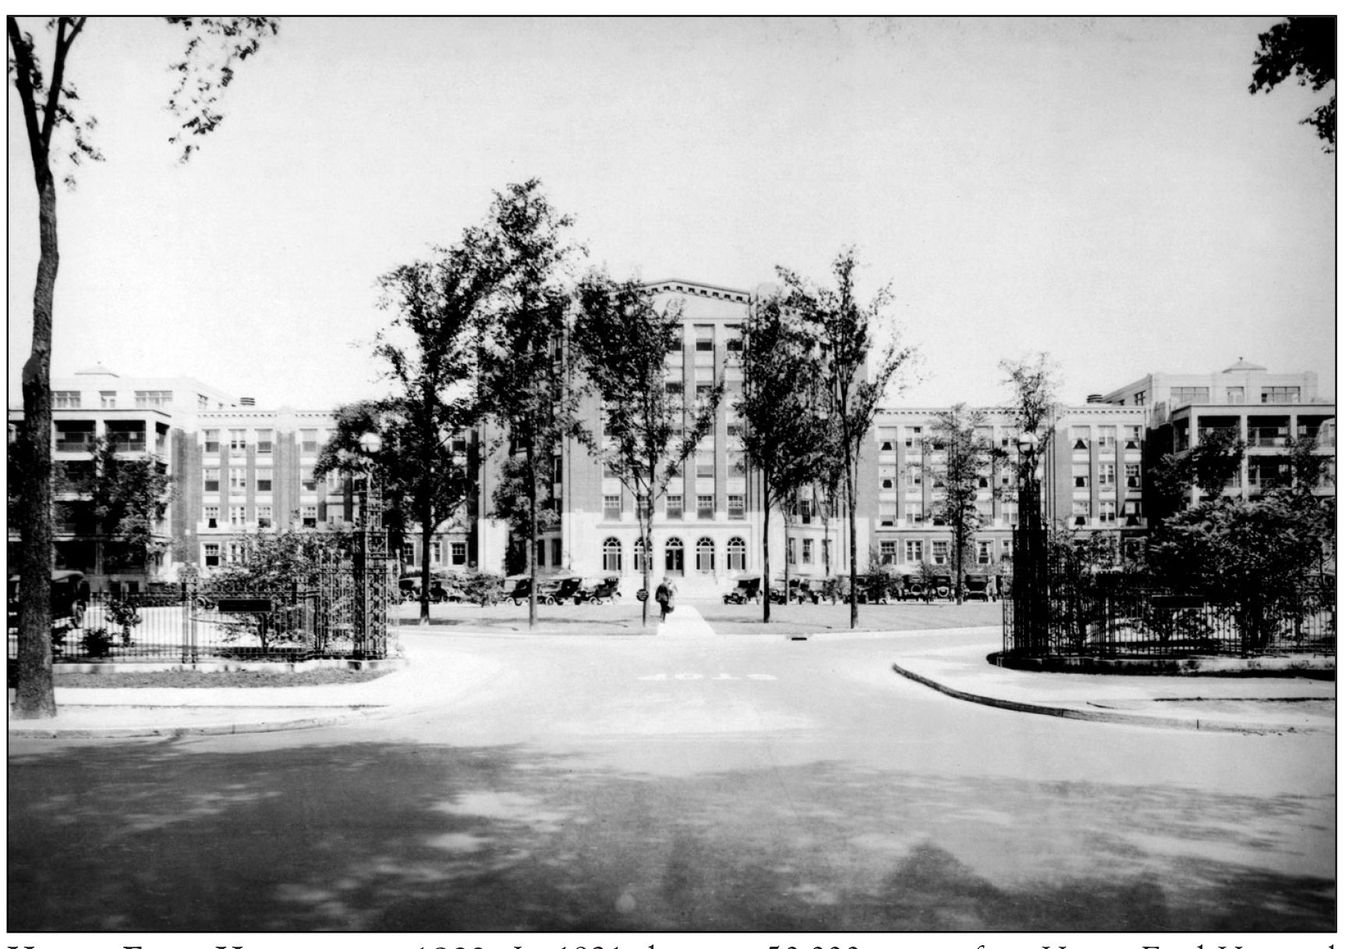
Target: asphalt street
{"type": "Point", "coordinates": [687, 783]}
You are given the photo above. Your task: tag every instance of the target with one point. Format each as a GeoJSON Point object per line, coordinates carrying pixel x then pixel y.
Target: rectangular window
{"type": "Point", "coordinates": [264, 514]}
{"type": "Point", "coordinates": [807, 550]}
{"type": "Point", "coordinates": [889, 508]}
{"type": "Point", "coordinates": [1106, 474]}
{"type": "Point", "coordinates": [541, 553]}
{"type": "Point", "coordinates": [555, 551]}
{"type": "Point", "coordinates": [1005, 548]}
{"type": "Point", "coordinates": [435, 552]}
{"type": "Point", "coordinates": [1079, 436]}
{"type": "Point", "coordinates": [308, 481]}
{"type": "Point", "coordinates": [734, 465]}
{"type": "Point", "coordinates": [211, 441]}
{"type": "Point", "coordinates": [458, 553]}
{"type": "Point", "coordinates": [308, 441]}
{"type": "Point", "coordinates": [734, 339]}
{"type": "Point", "coordinates": [913, 551]}
{"type": "Point", "coordinates": [984, 552]}
{"type": "Point", "coordinates": [235, 553]}
{"type": "Point", "coordinates": [790, 551]}
{"type": "Point", "coordinates": [65, 400]}
{"type": "Point", "coordinates": [706, 464]}
{"type": "Point", "coordinates": [264, 483]}
{"type": "Point", "coordinates": [612, 507]}
{"type": "Point", "coordinates": [704, 392]}
{"type": "Point", "coordinates": [334, 481]}
{"type": "Point", "coordinates": [913, 512]}
{"type": "Point", "coordinates": [1234, 395]}
{"type": "Point", "coordinates": [1080, 513]}
{"type": "Point", "coordinates": [676, 341]}
{"type": "Point", "coordinates": [1132, 513]}
{"type": "Point", "coordinates": [211, 555]}
{"type": "Point", "coordinates": [734, 429]}
{"type": "Point", "coordinates": [887, 436]}
{"type": "Point", "coordinates": [706, 338]}
{"type": "Point", "coordinates": [1189, 395]}
{"type": "Point", "coordinates": [210, 514]}
{"type": "Point", "coordinates": [1106, 437]}
{"type": "Point", "coordinates": [237, 436]}
{"type": "Point", "coordinates": [108, 400]}
{"type": "Point", "coordinates": [1080, 478]}
{"type": "Point", "coordinates": [734, 505]}
{"type": "Point", "coordinates": [941, 552]}
{"type": "Point", "coordinates": [1139, 398]}
{"type": "Point", "coordinates": [151, 398]}
{"type": "Point", "coordinates": [706, 506]}
{"type": "Point", "coordinates": [673, 506]}
{"type": "Point", "coordinates": [211, 479]}
{"type": "Point", "coordinates": [1106, 512]}
{"type": "Point", "coordinates": [1281, 394]}
{"type": "Point", "coordinates": [888, 553]}
{"type": "Point", "coordinates": [308, 515]}
{"type": "Point", "coordinates": [1133, 436]}
{"type": "Point", "coordinates": [263, 441]}
{"type": "Point", "coordinates": [1132, 477]}
{"type": "Point", "coordinates": [237, 479]}
{"type": "Point", "coordinates": [673, 387]}
{"type": "Point", "coordinates": [237, 515]}
{"type": "Point", "coordinates": [913, 437]}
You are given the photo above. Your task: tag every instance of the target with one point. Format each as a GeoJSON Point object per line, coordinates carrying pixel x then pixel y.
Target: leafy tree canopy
{"type": "Point", "coordinates": [1305, 47]}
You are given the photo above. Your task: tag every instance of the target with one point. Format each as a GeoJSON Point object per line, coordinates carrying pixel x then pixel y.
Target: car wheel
{"type": "Point", "coordinates": [77, 615]}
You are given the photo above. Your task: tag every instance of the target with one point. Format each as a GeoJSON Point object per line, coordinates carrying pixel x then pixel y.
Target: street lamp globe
{"type": "Point", "coordinates": [1026, 443]}
{"type": "Point", "coordinates": [369, 442]}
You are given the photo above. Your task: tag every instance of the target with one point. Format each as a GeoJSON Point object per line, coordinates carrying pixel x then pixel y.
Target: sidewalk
{"type": "Point", "coordinates": [129, 713]}
{"type": "Point", "coordinates": [1204, 703]}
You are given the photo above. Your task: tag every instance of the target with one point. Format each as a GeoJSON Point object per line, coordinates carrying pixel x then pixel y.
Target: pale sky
{"type": "Point", "coordinates": [1103, 189]}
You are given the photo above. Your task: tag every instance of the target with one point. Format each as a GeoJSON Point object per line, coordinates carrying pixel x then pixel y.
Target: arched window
{"type": "Point", "coordinates": [735, 554]}
{"type": "Point", "coordinates": [612, 555]}
{"type": "Point", "coordinates": [706, 555]}
{"type": "Point", "coordinates": [637, 553]}
{"type": "Point", "coordinates": [673, 556]}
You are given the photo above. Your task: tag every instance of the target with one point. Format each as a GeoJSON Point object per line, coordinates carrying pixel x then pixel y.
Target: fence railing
{"type": "Point", "coordinates": [1144, 623]}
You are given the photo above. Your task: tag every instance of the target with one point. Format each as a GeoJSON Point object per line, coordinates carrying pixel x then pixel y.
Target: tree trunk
{"type": "Point", "coordinates": [426, 546]}
{"type": "Point", "coordinates": [33, 693]}
{"type": "Point", "coordinates": [531, 531]}
{"type": "Point", "coordinates": [852, 537]}
{"type": "Point", "coordinates": [767, 569]}
{"type": "Point", "coordinates": [647, 519]}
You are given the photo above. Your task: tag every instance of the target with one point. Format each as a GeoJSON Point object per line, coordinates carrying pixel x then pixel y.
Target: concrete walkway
{"type": "Point", "coordinates": [685, 621]}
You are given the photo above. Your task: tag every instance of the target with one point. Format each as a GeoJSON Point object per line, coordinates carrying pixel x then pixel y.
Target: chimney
{"type": "Point", "coordinates": [1095, 398]}
{"type": "Point", "coordinates": [247, 401]}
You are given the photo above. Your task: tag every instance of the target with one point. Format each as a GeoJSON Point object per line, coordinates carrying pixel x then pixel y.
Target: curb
{"type": "Point", "coordinates": [182, 731]}
{"type": "Point", "coordinates": [1117, 718]}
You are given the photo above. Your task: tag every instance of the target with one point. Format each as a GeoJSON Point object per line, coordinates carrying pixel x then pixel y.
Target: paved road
{"type": "Point", "coordinates": [684, 783]}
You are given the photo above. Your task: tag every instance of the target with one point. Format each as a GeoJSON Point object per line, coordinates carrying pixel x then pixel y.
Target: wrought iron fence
{"type": "Point", "coordinates": [1123, 621]}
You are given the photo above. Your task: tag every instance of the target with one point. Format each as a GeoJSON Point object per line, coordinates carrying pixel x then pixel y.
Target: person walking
{"type": "Point", "coordinates": [664, 597]}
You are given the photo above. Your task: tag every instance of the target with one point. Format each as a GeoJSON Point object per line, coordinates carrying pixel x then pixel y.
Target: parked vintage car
{"type": "Point", "coordinates": [979, 586]}
{"type": "Point", "coordinates": [69, 599]}
{"type": "Point", "coordinates": [557, 589]}
{"type": "Point", "coordinates": [598, 591]}
{"type": "Point", "coordinates": [798, 589]}
{"type": "Point", "coordinates": [745, 590]}
{"type": "Point", "coordinates": [437, 593]}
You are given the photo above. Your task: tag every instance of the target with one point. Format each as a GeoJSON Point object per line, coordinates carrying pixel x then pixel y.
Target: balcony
{"type": "Point", "coordinates": [1267, 437]}
{"type": "Point", "coordinates": [74, 441]}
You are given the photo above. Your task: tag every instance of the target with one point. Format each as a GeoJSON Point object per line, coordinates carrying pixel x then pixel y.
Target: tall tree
{"type": "Point", "coordinates": [784, 422]}
{"type": "Point", "coordinates": [427, 353]}
{"type": "Point", "coordinates": [962, 457]}
{"type": "Point", "coordinates": [522, 353]}
{"type": "Point", "coordinates": [51, 114]}
{"type": "Point", "coordinates": [1305, 47]}
{"type": "Point", "coordinates": [843, 330]}
{"type": "Point", "coordinates": [622, 341]}
{"type": "Point", "coordinates": [126, 499]}
{"type": "Point", "coordinates": [1209, 465]}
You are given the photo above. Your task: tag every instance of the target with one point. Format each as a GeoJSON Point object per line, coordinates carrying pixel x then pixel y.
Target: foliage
{"type": "Point", "coordinates": [1305, 47]}
{"type": "Point", "coordinates": [125, 614]}
{"type": "Point", "coordinates": [622, 342]}
{"type": "Point", "coordinates": [965, 457]}
{"type": "Point", "coordinates": [1034, 382]}
{"type": "Point", "coordinates": [509, 503]}
{"type": "Point", "coordinates": [48, 105]}
{"type": "Point", "coordinates": [523, 380]}
{"type": "Point", "coordinates": [786, 435]}
{"type": "Point", "coordinates": [843, 329]}
{"type": "Point", "coordinates": [1210, 465]}
{"type": "Point", "coordinates": [879, 579]}
{"type": "Point", "coordinates": [483, 589]}
{"type": "Point", "coordinates": [127, 497]}
{"type": "Point", "coordinates": [98, 643]}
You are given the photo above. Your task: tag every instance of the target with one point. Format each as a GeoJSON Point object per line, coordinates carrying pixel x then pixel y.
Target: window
{"type": "Point", "coordinates": [407, 552]}
{"type": "Point", "coordinates": [1106, 512]}
{"type": "Point", "coordinates": [237, 480]}
{"type": "Point", "coordinates": [1133, 436]}
{"type": "Point", "coordinates": [308, 441]}
{"type": "Point", "coordinates": [941, 552]}
{"type": "Point", "coordinates": [1234, 395]}
{"type": "Point", "coordinates": [555, 551]}
{"type": "Point", "coordinates": [734, 505]}
{"type": "Point", "coordinates": [308, 481]}
{"type": "Point", "coordinates": [612, 507]}
{"type": "Point", "coordinates": [734, 429]}
{"type": "Point", "coordinates": [673, 506]}
{"type": "Point", "coordinates": [210, 514]}
{"type": "Point", "coordinates": [263, 441]}
{"type": "Point", "coordinates": [706, 338]}
{"type": "Point", "coordinates": [202, 401]}
{"type": "Point", "coordinates": [807, 510]}
{"type": "Point", "coordinates": [913, 551]}
{"type": "Point", "coordinates": [264, 482]}
{"type": "Point", "coordinates": [1080, 435]}
{"type": "Point", "coordinates": [673, 555]}
{"type": "Point", "coordinates": [435, 552]}
{"type": "Point", "coordinates": [913, 437]}
{"type": "Point", "coordinates": [235, 553]}
{"type": "Point", "coordinates": [676, 341]}
{"type": "Point", "coordinates": [734, 339]}
{"type": "Point", "coordinates": [983, 552]}
{"type": "Point", "coordinates": [211, 479]}
{"type": "Point", "coordinates": [888, 511]}
{"type": "Point", "coordinates": [790, 551]}
{"type": "Point", "coordinates": [1080, 478]}
{"type": "Point", "coordinates": [887, 477]}
{"type": "Point", "coordinates": [458, 551]}
{"type": "Point", "coordinates": [886, 435]}
{"type": "Point", "coordinates": [938, 514]}
{"type": "Point", "coordinates": [237, 515]}
{"type": "Point", "coordinates": [612, 555]}
{"type": "Point", "coordinates": [888, 553]}
{"type": "Point", "coordinates": [736, 554]}
{"type": "Point", "coordinates": [1106, 474]}
{"type": "Point", "coordinates": [1080, 513]}
{"type": "Point", "coordinates": [333, 482]}
{"type": "Point", "coordinates": [637, 552]}
{"type": "Point", "coordinates": [807, 550]}
{"type": "Point", "coordinates": [211, 555]}
{"type": "Point", "coordinates": [913, 512]}
{"type": "Point", "coordinates": [1106, 437]}
{"type": "Point", "coordinates": [308, 515]}
{"type": "Point", "coordinates": [65, 400]}
{"type": "Point", "coordinates": [1139, 398]}
{"type": "Point", "coordinates": [706, 506]}
{"type": "Point", "coordinates": [1189, 395]}
{"type": "Point", "coordinates": [706, 555]}
{"type": "Point", "coordinates": [264, 515]}
{"type": "Point", "coordinates": [827, 546]}
{"type": "Point", "coordinates": [673, 387]}
{"type": "Point", "coordinates": [1005, 548]}
{"type": "Point", "coordinates": [237, 440]}
{"type": "Point", "coordinates": [1132, 477]}
{"type": "Point", "coordinates": [734, 465]}
{"type": "Point", "coordinates": [541, 553]}
{"type": "Point", "coordinates": [706, 464]}
{"type": "Point", "coordinates": [211, 441]}
{"type": "Point", "coordinates": [108, 400]}
{"type": "Point", "coordinates": [558, 468]}
{"type": "Point", "coordinates": [1273, 394]}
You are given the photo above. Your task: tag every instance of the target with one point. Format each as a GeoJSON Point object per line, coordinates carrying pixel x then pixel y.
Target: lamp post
{"type": "Point", "coordinates": [365, 631]}
{"type": "Point", "coordinates": [1029, 591]}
